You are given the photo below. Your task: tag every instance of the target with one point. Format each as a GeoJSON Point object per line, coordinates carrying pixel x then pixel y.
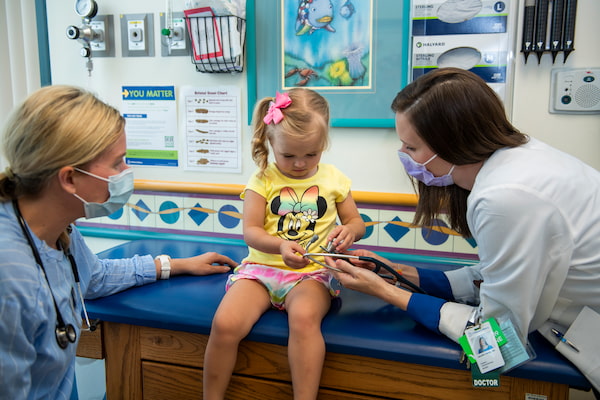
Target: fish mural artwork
{"type": "Point", "coordinates": [314, 15]}
{"type": "Point", "coordinates": [327, 43]}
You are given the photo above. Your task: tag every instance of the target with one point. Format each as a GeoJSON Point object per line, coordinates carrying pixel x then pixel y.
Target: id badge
{"type": "Point", "coordinates": [484, 346]}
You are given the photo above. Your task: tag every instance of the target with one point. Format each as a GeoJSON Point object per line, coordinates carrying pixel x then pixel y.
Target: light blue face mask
{"type": "Point", "coordinates": [420, 171]}
{"type": "Point", "coordinates": [120, 187]}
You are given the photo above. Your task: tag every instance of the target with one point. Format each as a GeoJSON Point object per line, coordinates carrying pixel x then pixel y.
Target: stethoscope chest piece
{"type": "Point", "coordinates": [65, 334]}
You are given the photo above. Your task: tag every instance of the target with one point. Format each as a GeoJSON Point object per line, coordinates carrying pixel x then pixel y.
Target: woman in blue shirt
{"type": "Point", "coordinates": [65, 150]}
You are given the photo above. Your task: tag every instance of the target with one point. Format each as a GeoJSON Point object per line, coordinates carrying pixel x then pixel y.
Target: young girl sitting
{"type": "Point", "coordinates": [290, 204]}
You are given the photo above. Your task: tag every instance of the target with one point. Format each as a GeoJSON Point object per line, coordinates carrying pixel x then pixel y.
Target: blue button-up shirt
{"type": "Point", "coordinates": [32, 365]}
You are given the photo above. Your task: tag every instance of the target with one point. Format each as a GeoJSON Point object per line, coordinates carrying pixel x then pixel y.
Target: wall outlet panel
{"type": "Point", "coordinates": [105, 48]}
{"type": "Point", "coordinates": [180, 41]}
{"type": "Point", "coordinates": [575, 91]}
{"type": "Point", "coordinates": [137, 35]}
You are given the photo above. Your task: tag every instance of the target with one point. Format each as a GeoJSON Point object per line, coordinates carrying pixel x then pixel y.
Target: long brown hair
{"type": "Point", "coordinates": [462, 120]}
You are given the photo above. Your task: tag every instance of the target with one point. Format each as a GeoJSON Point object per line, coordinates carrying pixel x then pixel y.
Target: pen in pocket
{"type": "Point", "coordinates": [562, 338]}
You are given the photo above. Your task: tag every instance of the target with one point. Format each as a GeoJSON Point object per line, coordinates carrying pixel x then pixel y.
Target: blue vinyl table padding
{"type": "Point", "coordinates": [357, 324]}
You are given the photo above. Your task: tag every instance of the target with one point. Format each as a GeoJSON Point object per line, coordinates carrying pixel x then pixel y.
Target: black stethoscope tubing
{"type": "Point", "coordinates": [65, 333]}
{"type": "Point", "coordinates": [396, 276]}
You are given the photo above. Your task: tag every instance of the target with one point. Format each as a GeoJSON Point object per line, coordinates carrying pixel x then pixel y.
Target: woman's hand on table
{"type": "Point", "coordinates": [204, 264]}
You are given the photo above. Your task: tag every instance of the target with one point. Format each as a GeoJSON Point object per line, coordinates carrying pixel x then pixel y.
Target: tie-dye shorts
{"type": "Point", "coordinates": [279, 281]}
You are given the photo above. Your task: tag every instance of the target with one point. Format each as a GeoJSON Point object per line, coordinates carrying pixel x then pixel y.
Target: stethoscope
{"type": "Point", "coordinates": [65, 333]}
{"type": "Point", "coordinates": [395, 277]}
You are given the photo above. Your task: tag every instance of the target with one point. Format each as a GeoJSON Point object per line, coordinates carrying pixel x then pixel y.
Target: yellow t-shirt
{"type": "Point", "coordinates": [297, 209]}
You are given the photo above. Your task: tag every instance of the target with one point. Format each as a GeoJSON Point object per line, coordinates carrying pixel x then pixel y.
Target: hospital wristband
{"type": "Point", "coordinates": [165, 266]}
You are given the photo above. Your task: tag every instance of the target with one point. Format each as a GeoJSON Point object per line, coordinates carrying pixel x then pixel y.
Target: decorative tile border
{"type": "Point", "coordinates": [216, 210]}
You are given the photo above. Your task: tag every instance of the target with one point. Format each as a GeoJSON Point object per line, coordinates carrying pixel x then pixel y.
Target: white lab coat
{"type": "Point", "coordinates": [535, 214]}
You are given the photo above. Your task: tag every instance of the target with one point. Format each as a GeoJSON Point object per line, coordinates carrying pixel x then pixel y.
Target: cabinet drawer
{"type": "Point", "coordinates": [187, 349]}
{"type": "Point", "coordinates": [182, 348]}
{"type": "Point", "coordinates": [162, 381]}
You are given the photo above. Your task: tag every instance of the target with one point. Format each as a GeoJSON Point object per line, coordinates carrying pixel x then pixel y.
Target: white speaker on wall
{"type": "Point", "coordinates": [575, 91]}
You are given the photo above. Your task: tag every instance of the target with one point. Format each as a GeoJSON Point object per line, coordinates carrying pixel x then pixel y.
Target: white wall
{"type": "Point", "coordinates": [575, 134]}
{"type": "Point", "coordinates": [367, 155]}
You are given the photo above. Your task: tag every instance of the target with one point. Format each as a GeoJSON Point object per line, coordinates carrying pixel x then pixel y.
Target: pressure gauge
{"type": "Point", "coordinates": [86, 8]}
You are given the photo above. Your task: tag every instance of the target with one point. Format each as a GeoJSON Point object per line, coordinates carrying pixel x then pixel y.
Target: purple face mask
{"type": "Point", "coordinates": [420, 171]}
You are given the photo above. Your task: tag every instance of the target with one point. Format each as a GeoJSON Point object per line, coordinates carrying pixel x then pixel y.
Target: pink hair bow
{"type": "Point", "coordinates": [274, 114]}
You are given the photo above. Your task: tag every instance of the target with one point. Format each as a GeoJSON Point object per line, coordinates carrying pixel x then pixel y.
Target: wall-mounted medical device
{"type": "Point", "coordinates": [96, 33]}
{"type": "Point", "coordinates": [174, 37]}
{"type": "Point", "coordinates": [137, 35]}
{"type": "Point", "coordinates": [575, 91]}
{"type": "Point", "coordinates": [549, 26]}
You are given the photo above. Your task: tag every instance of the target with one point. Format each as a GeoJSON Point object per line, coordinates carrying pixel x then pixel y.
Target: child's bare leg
{"type": "Point", "coordinates": [243, 304]}
{"type": "Point", "coordinates": [306, 304]}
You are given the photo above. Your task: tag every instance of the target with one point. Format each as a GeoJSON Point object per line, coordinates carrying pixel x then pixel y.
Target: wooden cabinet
{"type": "Point", "coordinates": [150, 363]}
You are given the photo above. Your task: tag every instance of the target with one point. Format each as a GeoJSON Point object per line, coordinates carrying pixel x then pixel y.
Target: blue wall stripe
{"type": "Point", "coordinates": [43, 45]}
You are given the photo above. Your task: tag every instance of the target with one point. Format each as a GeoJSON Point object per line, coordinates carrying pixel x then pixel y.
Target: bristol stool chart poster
{"type": "Point", "coordinates": [212, 129]}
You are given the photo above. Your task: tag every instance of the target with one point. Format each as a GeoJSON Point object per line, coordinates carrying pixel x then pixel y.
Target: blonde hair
{"type": "Point", "coordinates": [307, 115]}
{"type": "Point", "coordinates": [54, 127]}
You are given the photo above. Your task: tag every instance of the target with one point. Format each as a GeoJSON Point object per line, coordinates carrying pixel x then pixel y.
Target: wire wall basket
{"type": "Point", "coordinates": [217, 43]}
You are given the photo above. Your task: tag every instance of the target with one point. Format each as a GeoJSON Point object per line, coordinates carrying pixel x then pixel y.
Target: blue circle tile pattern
{"type": "Point", "coordinates": [433, 236]}
{"type": "Point", "coordinates": [369, 228]}
{"type": "Point", "coordinates": [169, 212]}
{"type": "Point", "coordinates": [229, 217]}
{"type": "Point", "coordinates": [226, 220]}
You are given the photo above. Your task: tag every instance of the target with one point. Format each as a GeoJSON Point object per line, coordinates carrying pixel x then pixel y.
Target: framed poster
{"type": "Point", "coordinates": [353, 52]}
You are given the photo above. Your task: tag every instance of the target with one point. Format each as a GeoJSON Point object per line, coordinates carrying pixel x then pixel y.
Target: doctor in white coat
{"type": "Point", "coordinates": [533, 210]}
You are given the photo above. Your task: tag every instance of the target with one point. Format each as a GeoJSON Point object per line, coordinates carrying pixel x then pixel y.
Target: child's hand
{"type": "Point", "coordinates": [342, 237]}
{"type": "Point", "coordinates": [292, 252]}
